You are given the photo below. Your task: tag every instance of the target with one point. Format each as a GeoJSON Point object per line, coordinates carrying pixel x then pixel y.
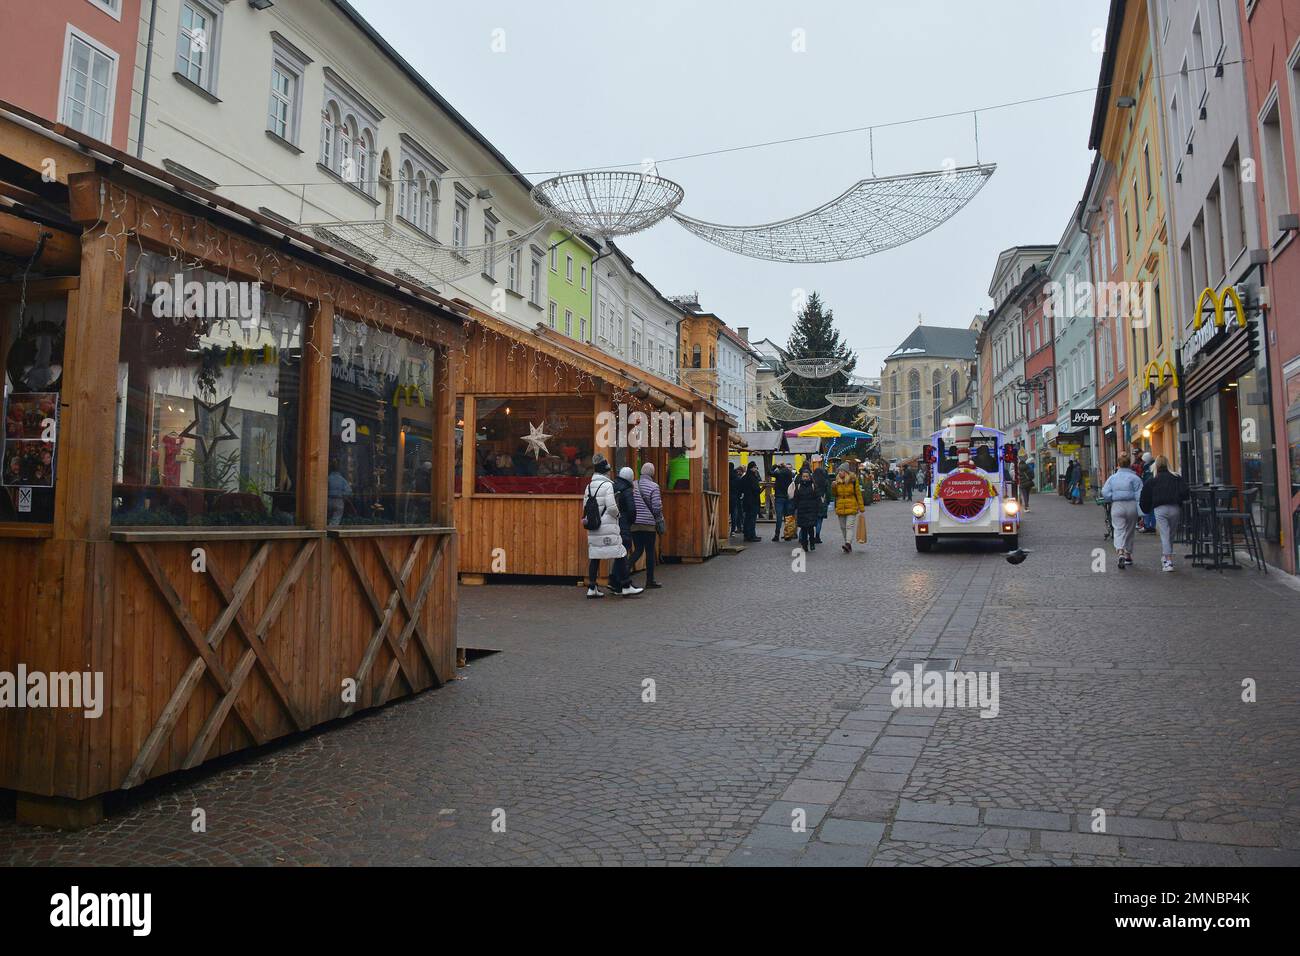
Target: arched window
{"type": "Point", "coordinates": [952, 384]}
{"type": "Point", "coordinates": [428, 200]}
{"type": "Point", "coordinates": [407, 196]}
{"type": "Point", "coordinates": [365, 160]}
{"type": "Point", "coordinates": [329, 123]}
{"type": "Point", "coordinates": [914, 400]}
{"type": "Point", "coordinates": [936, 395]}
{"type": "Point", "coordinates": [344, 150]}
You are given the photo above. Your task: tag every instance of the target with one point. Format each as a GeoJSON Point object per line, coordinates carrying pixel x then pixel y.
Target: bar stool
{"type": "Point", "coordinates": [1245, 520]}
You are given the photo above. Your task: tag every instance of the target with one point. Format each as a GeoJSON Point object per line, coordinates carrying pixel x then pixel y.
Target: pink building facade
{"type": "Point", "coordinates": [72, 61]}
{"type": "Point", "coordinates": [1271, 41]}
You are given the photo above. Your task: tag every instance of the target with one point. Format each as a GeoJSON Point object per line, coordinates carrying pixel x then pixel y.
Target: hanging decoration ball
{"type": "Point", "coordinates": [607, 203]}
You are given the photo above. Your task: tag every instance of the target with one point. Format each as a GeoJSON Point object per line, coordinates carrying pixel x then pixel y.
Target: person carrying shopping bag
{"type": "Point", "coordinates": [1122, 490]}
{"type": "Point", "coordinates": [848, 504]}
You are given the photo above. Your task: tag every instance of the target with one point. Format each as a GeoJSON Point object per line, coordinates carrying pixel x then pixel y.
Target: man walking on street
{"type": "Point", "coordinates": [781, 478]}
{"type": "Point", "coordinates": [909, 482]}
{"type": "Point", "coordinates": [750, 488]}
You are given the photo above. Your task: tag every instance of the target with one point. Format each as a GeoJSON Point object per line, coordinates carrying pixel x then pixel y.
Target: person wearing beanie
{"type": "Point", "coordinates": [607, 540]}
{"type": "Point", "coordinates": [649, 519]}
{"type": "Point", "coordinates": [626, 499]}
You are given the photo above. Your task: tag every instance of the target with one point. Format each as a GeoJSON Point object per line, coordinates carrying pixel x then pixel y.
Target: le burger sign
{"type": "Point", "coordinates": [1080, 417]}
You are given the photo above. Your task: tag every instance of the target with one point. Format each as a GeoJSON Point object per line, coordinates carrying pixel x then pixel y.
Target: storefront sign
{"type": "Point", "coordinates": [1207, 336]}
{"type": "Point", "coordinates": [1155, 373]}
{"type": "Point", "coordinates": [1084, 417]}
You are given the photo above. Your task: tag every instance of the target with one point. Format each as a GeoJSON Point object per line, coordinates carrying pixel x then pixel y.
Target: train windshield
{"type": "Point", "coordinates": [983, 450]}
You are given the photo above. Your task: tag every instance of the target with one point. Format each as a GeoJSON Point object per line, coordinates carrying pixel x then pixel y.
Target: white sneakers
{"type": "Point", "coordinates": [630, 590]}
{"type": "Point", "coordinates": [1166, 565]}
{"type": "Point", "coordinates": [595, 593]}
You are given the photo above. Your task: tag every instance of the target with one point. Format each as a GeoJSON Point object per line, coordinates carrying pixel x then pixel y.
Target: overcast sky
{"type": "Point", "coordinates": [584, 84]}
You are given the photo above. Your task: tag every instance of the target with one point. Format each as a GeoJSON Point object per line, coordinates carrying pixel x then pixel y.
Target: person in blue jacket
{"type": "Point", "coordinates": [1122, 490]}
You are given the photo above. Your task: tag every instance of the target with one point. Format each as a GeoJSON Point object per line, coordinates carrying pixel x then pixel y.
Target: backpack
{"type": "Point", "coordinates": [591, 511]}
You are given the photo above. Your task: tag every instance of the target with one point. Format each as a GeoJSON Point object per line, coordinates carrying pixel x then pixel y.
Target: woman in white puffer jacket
{"type": "Point", "coordinates": [607, 540]}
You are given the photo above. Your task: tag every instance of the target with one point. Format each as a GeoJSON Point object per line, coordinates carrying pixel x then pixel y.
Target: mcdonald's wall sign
{"type": "Point", "coordinates": [1214, 304]}
{"type": "Point", "coordinates": [1155, 372]}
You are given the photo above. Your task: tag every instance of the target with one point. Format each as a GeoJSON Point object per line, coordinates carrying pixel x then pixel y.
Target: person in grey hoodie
{"type": "Point", "coordinates": [1122, 490]}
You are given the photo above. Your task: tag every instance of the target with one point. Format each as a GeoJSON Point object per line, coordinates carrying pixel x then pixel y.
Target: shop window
{"type": "Point", "coordinates": [32, 348]}
{"type": "Point", "coordinates": [533, 446]}
{"type": "Point", "coordinates": [381, 453]}
{"type": "Point", "coordinates": [207, 399]}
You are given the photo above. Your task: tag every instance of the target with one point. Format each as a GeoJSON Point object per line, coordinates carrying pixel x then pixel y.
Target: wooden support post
{"type": "Point", "coordinates": [313, 458]}
{"type": "Point", "coordinates": [88, 423]}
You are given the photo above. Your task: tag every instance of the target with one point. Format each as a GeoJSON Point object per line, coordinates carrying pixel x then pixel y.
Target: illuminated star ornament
{"type": "Point", "coordinates": [202, 429]}
{"type": "Point", "coordinates": [536, 440]}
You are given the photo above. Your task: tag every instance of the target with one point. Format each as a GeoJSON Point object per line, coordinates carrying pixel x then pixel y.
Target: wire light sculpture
{"type": "Point", "coordinates": [869, 217]}
{"type": "Point", "coordinates": [815, 366]}
{"type": "Point", "coordinates": [780, 410]}
{"type": "Point", "coordinates": [607, 203]}
{"type": "Point", "coordinates": [847, 399]}
{"type": "Point", "coordinates": [429, 263]}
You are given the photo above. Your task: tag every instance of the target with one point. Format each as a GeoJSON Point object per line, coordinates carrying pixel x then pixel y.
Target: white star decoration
{"type": "Point", "coordinates": [536, 440]}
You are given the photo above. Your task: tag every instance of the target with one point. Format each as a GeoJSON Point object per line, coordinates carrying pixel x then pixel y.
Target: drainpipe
{"type": "Point", "coordinates": [144, 89]}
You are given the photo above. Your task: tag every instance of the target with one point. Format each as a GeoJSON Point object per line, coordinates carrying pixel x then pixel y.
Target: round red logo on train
{"type": "Point", "coordinates": [963, 486]}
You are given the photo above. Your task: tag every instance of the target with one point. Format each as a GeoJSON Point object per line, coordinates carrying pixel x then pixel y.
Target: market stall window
{"type": "Point", "coordinates": [460, 441]}
{"type": "Point", "coordinates": [533, 446]}
{"type": "Point", "coordinates": [32, 346]}
{"type": "Point", "coordinates": [381, 454]}
{"type": "Point", "coordinates": [207, 399]}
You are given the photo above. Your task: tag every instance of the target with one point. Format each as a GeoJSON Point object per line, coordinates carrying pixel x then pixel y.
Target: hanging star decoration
{"type": "Point", "coordinates": [536, 440]}
{"type": "Point", "coordinates": [202, 430]}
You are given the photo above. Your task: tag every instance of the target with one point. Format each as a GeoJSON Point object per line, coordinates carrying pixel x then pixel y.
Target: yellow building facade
{"type": "Point", "coordinates": [1132, 144]}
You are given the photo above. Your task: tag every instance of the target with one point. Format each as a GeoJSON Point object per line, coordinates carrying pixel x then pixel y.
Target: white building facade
{"type": "Point", "coordinates": [303, 112]}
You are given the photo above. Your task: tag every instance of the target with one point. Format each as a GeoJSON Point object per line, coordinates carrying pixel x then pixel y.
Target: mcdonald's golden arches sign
{"type": "Point", "coordinates": [1219, 300]}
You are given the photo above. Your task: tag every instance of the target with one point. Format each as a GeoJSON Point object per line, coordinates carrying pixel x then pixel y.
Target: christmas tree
{"type": "Point", "coordinates": [814, 334]}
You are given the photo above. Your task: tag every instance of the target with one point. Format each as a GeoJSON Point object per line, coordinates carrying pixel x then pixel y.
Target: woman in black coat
{"type": "Point", "coordinates": [808, 506]}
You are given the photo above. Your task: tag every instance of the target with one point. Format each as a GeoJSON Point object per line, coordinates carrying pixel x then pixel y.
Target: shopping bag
{"type": "Point", "coordinates": [788, 532]}
{"type": "Point", "coordinates": [862, 527]}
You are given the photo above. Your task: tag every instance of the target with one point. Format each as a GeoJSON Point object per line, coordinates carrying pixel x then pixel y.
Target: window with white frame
{"type": "Point", "coordinates": [284, 114]}
{"type": "Point", "coordinates": [513, 282]}
{"type": "Point", "coordinates": [112, 7]}
{"type": "Point", "coordinates": [555, 259]}
{"type": "Point", "coordinates": [490, 237]}
{"type": "Point", "coordinates": [460, 226]}
{"type": "Point", "coordinates": [584, 278]}
{"type": "Point", "coordinates": [582, 328]}
{"type": "Point", "coordinates": [196, 43]}
{"type": "Point", "coordinates": [550, 315]}
{"type": "Point", "coordinates": [568, 268]}
{"type": "Point", "coordinates": [348, 135]}
{"type": "Point", "coordinates": [568, 322]}
{"type": "Point", "coordinates": [89, 80]}
{"type": "Point", "coordinates": [535, 279]}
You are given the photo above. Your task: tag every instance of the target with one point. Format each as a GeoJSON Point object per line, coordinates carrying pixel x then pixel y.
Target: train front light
{"type": "Point", "coordinates": [1011, 506]}
{"type": "Point", "coordinates": [918, 510]}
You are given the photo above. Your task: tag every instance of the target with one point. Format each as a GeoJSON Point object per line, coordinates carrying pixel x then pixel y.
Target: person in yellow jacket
{"type": "Point", "coordinates": [848, 502]}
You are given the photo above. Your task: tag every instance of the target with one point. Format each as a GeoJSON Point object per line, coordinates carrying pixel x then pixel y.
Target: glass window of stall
{"type": "Point", "coordinates": [207, 399]}
{"type": "Point", "coordinates": [381, 451]}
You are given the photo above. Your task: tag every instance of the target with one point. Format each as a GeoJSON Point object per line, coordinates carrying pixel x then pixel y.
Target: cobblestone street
{"type": "Point", "coordinates": [1119, 691]}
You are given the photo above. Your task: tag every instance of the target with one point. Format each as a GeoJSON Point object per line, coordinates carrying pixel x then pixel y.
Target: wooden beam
{"type": "Point", "coordinates": [313, 458]}
{"type": "Point", "coordinates": [88, 422]}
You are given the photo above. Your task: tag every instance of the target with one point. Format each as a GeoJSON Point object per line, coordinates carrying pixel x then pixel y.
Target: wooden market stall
{"type": "Point", "coordinates": [228, 476]}
{"type": "Point", "coordinates": [520, 511]}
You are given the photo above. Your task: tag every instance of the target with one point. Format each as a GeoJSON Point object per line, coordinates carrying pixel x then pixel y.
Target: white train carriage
{"type": "Point", "coordinates": [971, 489]}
